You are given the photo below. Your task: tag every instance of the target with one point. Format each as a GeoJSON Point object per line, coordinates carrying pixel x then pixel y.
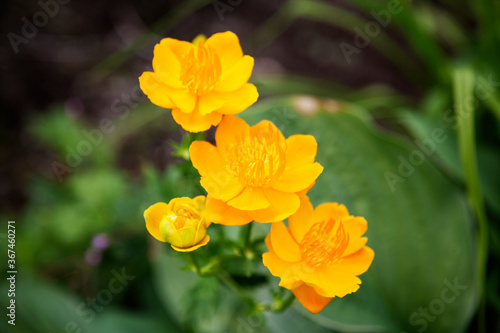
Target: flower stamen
{"type": "Point", "coordinates": [324, 243]}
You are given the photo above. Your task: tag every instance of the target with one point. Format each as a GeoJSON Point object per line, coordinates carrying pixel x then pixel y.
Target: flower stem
{"type": "Point", "coordinates": [231, 284]}
{"type": "Point", "coordinates": [248, 235]}
{"type": "Point", "coordinates": [195, 263]}
{"type": "Point", "coordinates": [285, 304]}
{"type": "Point", "coordinates": [463, 94]}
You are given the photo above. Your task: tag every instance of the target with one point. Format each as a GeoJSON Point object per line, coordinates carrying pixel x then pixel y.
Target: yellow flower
{"type": "Point", "coordinates": [200, 82]}
{"type": "Point", "coordinates": [182, 223]}
{"type": "Point", "coordinates": [320, 255]}
{"type": "Point", "coordinates": [254, 173]}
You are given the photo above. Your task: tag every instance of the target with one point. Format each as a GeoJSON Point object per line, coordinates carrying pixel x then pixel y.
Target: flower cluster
{"type": "Point", "coordinates": [252, 173]}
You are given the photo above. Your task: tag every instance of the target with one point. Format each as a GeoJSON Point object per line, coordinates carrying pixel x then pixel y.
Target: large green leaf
{"type": "Point", "coordinates": [419, 226]}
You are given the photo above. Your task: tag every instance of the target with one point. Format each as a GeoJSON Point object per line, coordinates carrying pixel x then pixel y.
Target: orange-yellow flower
{"type": "Point", "coordinates": [182, 223]}
{"type": "Point", "coordinates": [254, 173]}
{"type": "Point", "coordinates": [320, 255]}
{"type": "Point", "coordinates": [200, 82]}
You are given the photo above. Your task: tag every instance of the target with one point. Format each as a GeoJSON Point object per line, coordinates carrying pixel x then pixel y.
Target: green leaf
{"type": "Point", "coordinates": [419, 226]}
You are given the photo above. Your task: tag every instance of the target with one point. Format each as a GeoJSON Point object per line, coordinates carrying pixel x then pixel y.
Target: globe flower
{"type": "Point", "coordinates": [254, 173]}
{"type": "Point", "coordinates": [182, 223]}
{"type": "Point", "coordinates": [320, 254]}
{"type": "Point", "coordinates": [200, 81]}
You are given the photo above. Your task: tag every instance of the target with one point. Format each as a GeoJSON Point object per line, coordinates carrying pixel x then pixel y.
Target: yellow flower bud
{"type": "Point", "coordinates": [182, 223]}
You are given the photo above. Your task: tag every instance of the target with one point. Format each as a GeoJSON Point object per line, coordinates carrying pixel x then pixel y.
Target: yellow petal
{"type": "Point", "coordinates": [250, 199]}
{"type": "Point", "coordinates": [183, 99]}
{"type": "Point", "coordinates": [300, 222]}
{"type": "Point", "coordinates": [282, 206]}
{"type": "Point", "coordinates": [227, 46]}
{"type": "Point", "coordinates": [178, 47]}
{"type": "Point", "coordinates": [310, 299]}
{"type": "Point", "coordinates": [340, 279]}
{"type": "Point", "coordinates": [156, 90]}
{"type": "Point", "coordinates": [329, 210]}
{"type": "Point", "coordinates": [194, 122]}
{"type": "Point", "coordinates": [283, 243]}
{"type": "Point", "coordinates": [229, 129]}
{"type": "Point", "coordinates": [215, 179]}
{"type": "Point", "coordinates": [266, 127]}
{"type": "Point", "coordinates": [166, 66]}
{"type": "Point", "coordinates": [300, 150]}
{"type": "Point", "coordinates": [220, 212]}
{"type": "Point", "coordinates": [237, 76]}
{"type": "Point", "coordinates": [280, 268]}
{"type": "Point", "coordinates": [355, 227]}
{"type": "Point", "coordinates": [203, 242]}
{"type": "Point", "coordinates": [298, 178]}
{"type": "Point", "coordinates": [153, 216]}
{"type": "Point", "coordinates": [238, 100]}
{"type": "Point", "coordinates": [210, 103]}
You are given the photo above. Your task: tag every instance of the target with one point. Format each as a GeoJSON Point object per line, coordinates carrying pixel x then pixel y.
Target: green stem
{"type": "Point", "coordinates": [463, 91]}
{"type": "Point", "coordinates": [285, 304]}
{"type": "Point", "coordinates": [231, 284]}
{"type": "Point", "coordinates": [196, 265]}
{"type": "Point", "coordinates": [248, 235]}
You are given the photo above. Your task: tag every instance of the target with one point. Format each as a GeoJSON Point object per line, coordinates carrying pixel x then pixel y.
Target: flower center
{"type": "Point", "coordinates": [182, 215]}
{"type": "Point", "coordinates": [200, 70]}
{"type": "Point", "coordinates": [324, 243]}
{"type": "Point", "coordinates": [256, 159]}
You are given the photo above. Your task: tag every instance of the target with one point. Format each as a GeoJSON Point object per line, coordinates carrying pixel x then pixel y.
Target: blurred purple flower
{"type": "Point", "coordinates": [100, 242]}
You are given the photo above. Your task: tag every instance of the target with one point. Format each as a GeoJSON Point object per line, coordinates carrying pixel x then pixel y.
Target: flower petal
{"type": "Point", "coordinates": [282, 206]}
{"type": "Point", "coordinates": [203, 242]}
{"type": "Point", "coordinates": [167, 66]}
{"type": "Point", "coordinates": [355, 227]}
{"type": "Point", "coordinates": [301, 221]}
{"type": "Point", "coordinates": [237, 76]}
{"type": "Point", "coordinates": [250, 199]}
{"type": "Point", "coordinates": [195, 122]}
{"type": "Point", "coordinates": [310, 299]}
{"type": "Point", "coordinates": [300, 150]}
{"type": "Point", "coordinates": [280, 268]}
{"type": "Point", "coordinates": [227, 46]}
{"type": "Point", "coordinates": [209, 103]}
{"type": "Point", "coordinates": [220, 212]}
{"type": "Point", "coordinates": [329, 210]}
{"type": "Point", "coordinates": [283, 243]}
{"type": "Point", "coordinates": [298, 178]}
{"type": "Point", "coordinates": [178, 47]}
{"type": "Point", "coordinates": [340, 279]}
{"type": "Point", "coordinates": [156, 90]}
{"type": "Point", "coordinates": [183, 99]}
{"type": "Point", "coordinates": [238, 100]}
{"type": "Point", "coordinates": [229, 129]}
{"type": "Point", "coordinates": [153, 216]}
{"type": "Point", "coordinates": [214, 178]}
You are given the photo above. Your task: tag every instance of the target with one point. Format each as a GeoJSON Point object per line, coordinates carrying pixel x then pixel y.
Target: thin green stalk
{"type": "Point", "coordinates": [248, 236]}
{"type": "Point", "coordinates": [285, 304]}
{"type": "Point", "coordinates": [463, 81]}
{"type": "Point", "coordinates": [231, 284]}
{"type": "Point", "coordinates": [196, 265]}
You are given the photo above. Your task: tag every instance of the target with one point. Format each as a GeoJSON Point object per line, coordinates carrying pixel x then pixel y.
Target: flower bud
{"type": "Point", "coordinates": [182, 223]}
